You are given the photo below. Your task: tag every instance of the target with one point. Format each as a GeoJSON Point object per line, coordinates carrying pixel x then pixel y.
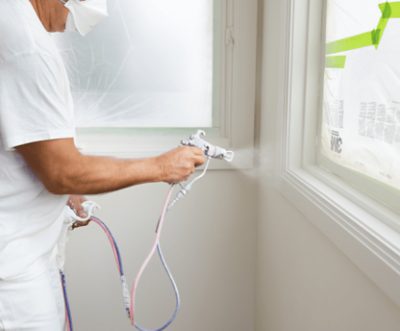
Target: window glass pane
{"type": "Point", "coordinates": [361, 110]}
{"type": "Point", "coordinates": [149, 64]}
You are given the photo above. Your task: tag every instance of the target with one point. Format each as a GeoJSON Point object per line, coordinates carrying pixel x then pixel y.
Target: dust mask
{"type": "Point", "coordinates": [84, 15]}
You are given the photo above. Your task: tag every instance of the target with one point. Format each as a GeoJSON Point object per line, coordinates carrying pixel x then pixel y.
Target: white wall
{"type": "Point", "coordinates": [304, 283]}
{"type": "Point", "coordinates": [307, 284]}
{"type": "Point", "coordinates": [209, 242]}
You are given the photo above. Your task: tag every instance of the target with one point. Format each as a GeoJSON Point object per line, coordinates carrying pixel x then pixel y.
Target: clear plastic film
{"type": "Point", "coordinates": [149, 64]}
{"type": "Point", "coordinates": [361, 106]}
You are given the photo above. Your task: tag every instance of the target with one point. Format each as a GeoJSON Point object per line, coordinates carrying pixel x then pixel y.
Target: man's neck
{"type": "Point", "coordinates": [51, 13]}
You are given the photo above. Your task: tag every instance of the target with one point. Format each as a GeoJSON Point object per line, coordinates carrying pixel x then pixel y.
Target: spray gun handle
{"type": "Point", "coordinates": [196, 140]}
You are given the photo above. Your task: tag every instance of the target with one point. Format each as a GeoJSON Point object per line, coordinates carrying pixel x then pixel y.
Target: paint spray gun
{"type": "Point", "coordinates": [210, 151]}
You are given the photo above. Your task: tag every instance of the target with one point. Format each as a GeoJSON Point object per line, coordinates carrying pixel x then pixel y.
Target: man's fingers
{"type": "Point", "coordinates": [81, 212]}
{"type": "Point", "coordinates": [75, 202]}
{"type": "Point", "coordinates": [198, 151]}
{"type": "Point", "coordinates": [199, 160]}
{"type": "Point", "coordinates": [82, 199]}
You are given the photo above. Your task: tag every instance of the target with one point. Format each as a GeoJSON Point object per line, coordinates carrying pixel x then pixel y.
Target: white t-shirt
{"type": "Point", "coordinates": [35, 105]}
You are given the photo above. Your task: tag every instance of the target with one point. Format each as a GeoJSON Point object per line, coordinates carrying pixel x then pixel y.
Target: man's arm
{"type": "Point", "coordinates": [64, 170]}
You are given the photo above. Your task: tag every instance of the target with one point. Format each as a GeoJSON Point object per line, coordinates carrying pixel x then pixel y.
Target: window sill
{"type": "Point", "coordinates": [140, 143]}
{"type": "Point", "coordinates": [362, 236]}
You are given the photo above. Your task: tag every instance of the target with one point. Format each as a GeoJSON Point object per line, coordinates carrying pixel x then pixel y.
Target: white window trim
{"type": "Point", "coordinates": [363, 230]}
{"type": "Point", "coordinates": [234, 128]}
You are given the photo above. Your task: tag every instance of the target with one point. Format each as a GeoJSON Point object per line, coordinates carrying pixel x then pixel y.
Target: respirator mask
{"type": "Point", "coordinates": [84, 15]}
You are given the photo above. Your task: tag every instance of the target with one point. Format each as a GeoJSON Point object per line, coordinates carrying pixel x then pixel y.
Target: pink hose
{"type": "Point", "coordinates": [153, 250]}
{"type": "Point", "coordinates": [110, 239]}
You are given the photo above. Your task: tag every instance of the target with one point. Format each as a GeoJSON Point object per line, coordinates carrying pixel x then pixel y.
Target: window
{"type": "Point", "coordinates": [360, 131]}
{"type": "Point", "coordinates": [154, 71]}
{"type": "Point", "coordinates": [149, 64]}
{"type": "Point", "coordinates": [365, 230]}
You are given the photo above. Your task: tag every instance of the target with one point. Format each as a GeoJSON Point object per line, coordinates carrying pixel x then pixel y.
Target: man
{"type": "Point", "coordinates": [40, 167]}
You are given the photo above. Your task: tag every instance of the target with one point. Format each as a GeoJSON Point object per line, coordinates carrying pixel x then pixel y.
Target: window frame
{"type": "Point", "coordinates": [379, 192]}
{"type": "Point", "coordinates": [234, 123]}
{"type": "Point", "coordinates": [364, 230]}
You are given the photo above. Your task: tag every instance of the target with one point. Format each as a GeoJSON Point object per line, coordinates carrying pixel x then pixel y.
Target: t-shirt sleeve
{"type": "Point", "coordinates": [35, 100]}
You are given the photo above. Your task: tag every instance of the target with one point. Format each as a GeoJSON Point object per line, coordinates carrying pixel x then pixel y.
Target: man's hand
{"type": "Point", "coordinates": [178, 164]}
{"type": "Point", "coordinates": [75, 203]}
{"type": "Point", "coordinates": [64, 170]}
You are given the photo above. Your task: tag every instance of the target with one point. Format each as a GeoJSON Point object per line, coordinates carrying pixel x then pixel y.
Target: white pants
{"type": "Point", "coordinates": [33, 301]}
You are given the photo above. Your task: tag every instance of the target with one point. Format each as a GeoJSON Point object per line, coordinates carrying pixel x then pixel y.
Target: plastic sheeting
{"type": "Point", "coordinates": [361, 111]}
{"type": "Point", "coordinates": [149, 64]}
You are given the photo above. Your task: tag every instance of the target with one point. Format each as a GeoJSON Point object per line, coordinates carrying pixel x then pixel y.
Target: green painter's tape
{"type": "Point", "coordinates": [348, 44]}
{"type": "Point", "coordinates": [386, 10]}
{"type": "Point", "coordinates": [393, 9]}
{"type": "Point", "coordinates": [378, 33]}
{"type": "Point", "coordinates": [337, 62]}
{"type": "Point", "coordinates": [373, 38]}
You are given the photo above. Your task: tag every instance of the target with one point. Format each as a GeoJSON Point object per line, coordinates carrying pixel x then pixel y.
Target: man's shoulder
{"type": "Point", "coordinates": [20, 30]}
